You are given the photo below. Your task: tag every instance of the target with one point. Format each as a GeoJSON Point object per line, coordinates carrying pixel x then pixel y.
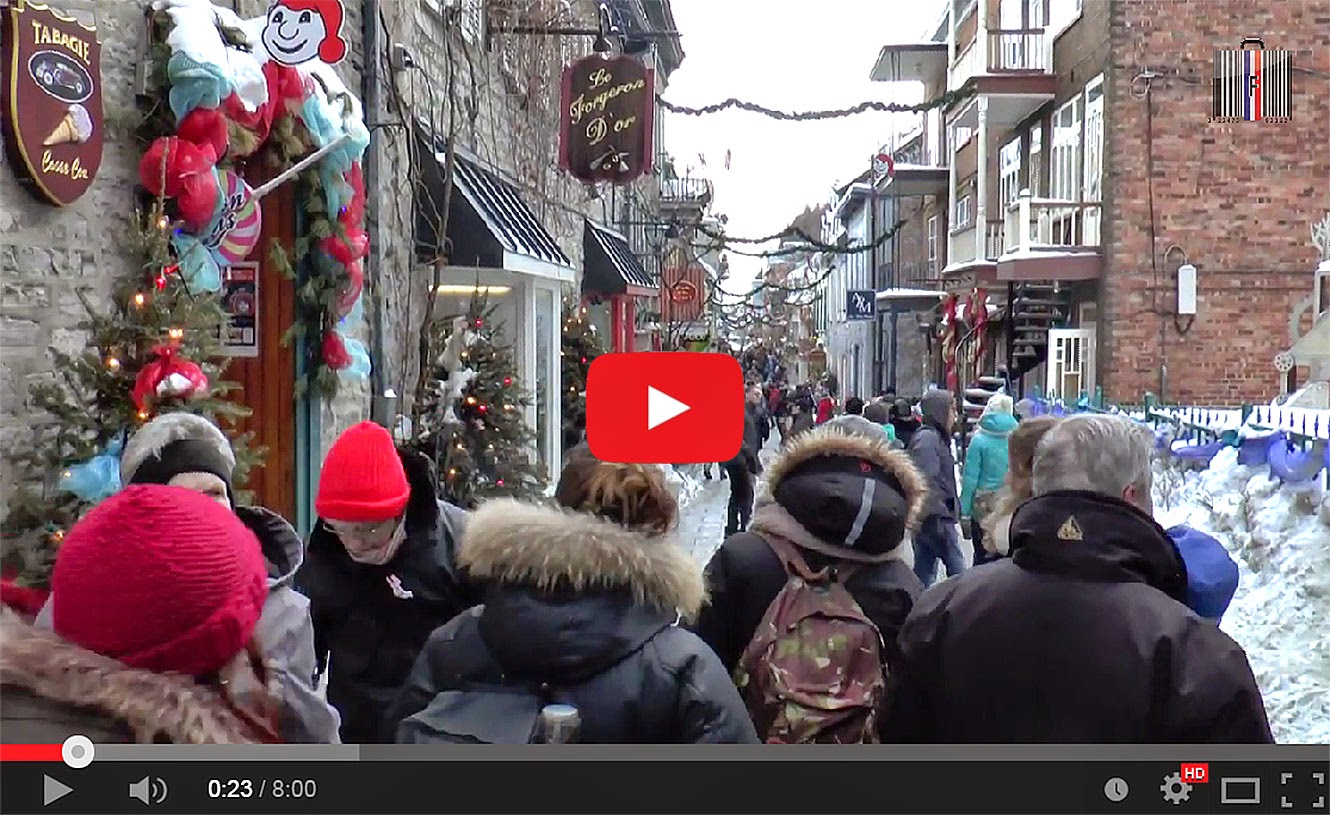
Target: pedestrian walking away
{"type": "Point", "coordinates": [184, 450]}
{"type": "Point", "coordinates": [1084, 635]}
{"type": "Point", "coordinates": [1018, 486]}
{"type": "Point", "coordinates": [837, 499]}
{"type": "Point", "coordinates": [742, 470]}
{"type": "Point", "coordinates": [985, 471]}
{"type": "Point", "coordinates": [930, 447]}
{"type": "Point", "coordinates": [583, 608]}
{"type": "Point", "coordinates": [157, 594]}
{"type": "Point", "coordinates": [380, 572]}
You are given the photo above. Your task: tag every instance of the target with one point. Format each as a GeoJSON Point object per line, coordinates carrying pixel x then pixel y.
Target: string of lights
{"type": "Point", "coordinates": [944, 100]}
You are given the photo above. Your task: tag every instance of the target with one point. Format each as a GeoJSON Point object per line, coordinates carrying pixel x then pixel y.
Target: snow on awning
{"type": "Point", "coordinates": [887, 295]}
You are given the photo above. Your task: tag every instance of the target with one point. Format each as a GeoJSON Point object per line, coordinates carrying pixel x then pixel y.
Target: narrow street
{"type": "Point", "coordinates": [702, 517]}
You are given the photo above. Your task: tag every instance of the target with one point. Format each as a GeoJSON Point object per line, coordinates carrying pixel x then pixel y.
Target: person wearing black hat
{"type": "Point", "coordinates": [841, 494]}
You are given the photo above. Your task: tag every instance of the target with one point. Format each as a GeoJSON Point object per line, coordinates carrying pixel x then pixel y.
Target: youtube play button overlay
{"type": "Point", "coordinates": [661, 407]}
{"type": "Point", "coordinates": [665, 408]}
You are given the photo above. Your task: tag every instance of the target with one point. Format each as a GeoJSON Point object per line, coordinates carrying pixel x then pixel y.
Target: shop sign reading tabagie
{"type": "Point", "coordinates": [52, 100]}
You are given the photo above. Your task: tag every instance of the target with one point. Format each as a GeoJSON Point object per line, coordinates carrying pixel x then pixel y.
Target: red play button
{"type": "Point", "coordinates": [665, 408]}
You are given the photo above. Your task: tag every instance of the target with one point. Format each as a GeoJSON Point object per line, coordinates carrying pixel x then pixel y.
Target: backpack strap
{"type": "Point", "coordinates": [795, 564]}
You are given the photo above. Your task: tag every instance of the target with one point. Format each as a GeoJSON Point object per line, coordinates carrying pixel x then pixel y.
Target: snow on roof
{"type": "Point", "coordinates": [967, 265]}
{"type": "Point", "coordinates": [1024, 253]}
{"type": "Point", "coordinates": [909, 294]}
{"type": "Point", "coordinates": [900, 167]}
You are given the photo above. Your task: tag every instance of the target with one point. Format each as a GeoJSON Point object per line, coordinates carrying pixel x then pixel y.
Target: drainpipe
{"type": "Point", "coordinates": [981, 184]}
{"type": "Point", "coordinates": [382, 406]}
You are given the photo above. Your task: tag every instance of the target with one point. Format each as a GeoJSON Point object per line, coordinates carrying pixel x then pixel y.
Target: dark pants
{"type": "Point", "coordinates": [740, 510]}
{"type": "Point", "coordinates": [981, 555]}
{"type": "Point", "coordinates": [937, 540]}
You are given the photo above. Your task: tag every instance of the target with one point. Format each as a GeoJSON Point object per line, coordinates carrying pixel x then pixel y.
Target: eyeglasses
{"type": "Point", "coordinates": [361, 531]}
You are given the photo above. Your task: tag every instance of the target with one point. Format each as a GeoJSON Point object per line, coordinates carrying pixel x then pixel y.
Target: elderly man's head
{"type": "Point", "coordinates": [1108, 455]}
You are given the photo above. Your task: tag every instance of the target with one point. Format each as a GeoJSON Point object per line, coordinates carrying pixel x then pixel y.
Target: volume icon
{"type": "Point", "coordinates": [149, 789]}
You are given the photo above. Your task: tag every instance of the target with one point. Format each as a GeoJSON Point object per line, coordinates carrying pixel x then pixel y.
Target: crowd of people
{"type": "Point", "coordinates": [176, 615]}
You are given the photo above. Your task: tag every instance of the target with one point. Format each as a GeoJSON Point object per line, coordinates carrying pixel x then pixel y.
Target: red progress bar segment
{"type": "Point", "coordinates": [30, 752]}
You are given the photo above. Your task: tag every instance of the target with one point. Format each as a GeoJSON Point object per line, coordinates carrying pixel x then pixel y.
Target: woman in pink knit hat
{"type": "Point", "coordinates": [157, 647]}
{"type": "Point", "coordinates": [379, 573]}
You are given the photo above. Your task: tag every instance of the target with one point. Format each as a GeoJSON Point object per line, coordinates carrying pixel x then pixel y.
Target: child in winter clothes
{"type": "Point", "coordinates": [985, 470]}
{"type": "Point", "coordinates": [1019, 486]}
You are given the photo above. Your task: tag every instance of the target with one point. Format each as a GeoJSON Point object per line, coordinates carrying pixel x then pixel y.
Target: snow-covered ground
{"type": "Point", "coordinates": [1280, 536]}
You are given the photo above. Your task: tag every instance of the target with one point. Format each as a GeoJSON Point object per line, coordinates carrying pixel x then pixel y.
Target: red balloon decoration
{"type": "Point", "coordinates": [187, 172]}
{"type": "Point", "coordinates": [346, 298]}
{"type": "Point", "coordinates": [334, 351]}
{"type": "Point", "coordinates": [205, 127]}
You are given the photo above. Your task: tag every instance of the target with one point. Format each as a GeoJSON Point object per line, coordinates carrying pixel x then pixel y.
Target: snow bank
{"type": "Point", "coordinates": [1280, 536]}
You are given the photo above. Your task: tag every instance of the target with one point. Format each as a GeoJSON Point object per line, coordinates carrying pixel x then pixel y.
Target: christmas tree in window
{"type": "Point", "coordinates": [581, 346]}
{"type": "Point", "coordinates": [474, 427]}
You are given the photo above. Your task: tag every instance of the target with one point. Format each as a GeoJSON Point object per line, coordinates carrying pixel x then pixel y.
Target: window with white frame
{"type": "Point", "coordinates": [960, 218]}
{"type": "Point", "coordinates": [960, 135]}
{"type": "Point", "coordinates": [1094, 139]}
{"type": "Point", "coordinates": [932, 246]}
{"type": "Point", "coordinates": [1009, 171]}
{"type": "Point", "coordinates": [1035, 176]}
{"type": "Point", "coordinates": [1066, 166]}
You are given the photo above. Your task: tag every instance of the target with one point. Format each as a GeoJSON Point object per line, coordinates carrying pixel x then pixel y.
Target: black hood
{"type": "Point", "coordinates": [282, 546]}
{"type": "Point", "coordinates": [570, 593]}
{"type": "Point", "coordinates": [1097, 538]}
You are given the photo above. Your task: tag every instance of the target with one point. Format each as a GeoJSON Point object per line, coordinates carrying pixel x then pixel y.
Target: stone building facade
{"type": "Point", "coordinates": [439, 66]}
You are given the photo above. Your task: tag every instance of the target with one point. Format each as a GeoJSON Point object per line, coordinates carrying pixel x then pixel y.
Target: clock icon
{"type": "Point", "coordinates": [1116, 790]}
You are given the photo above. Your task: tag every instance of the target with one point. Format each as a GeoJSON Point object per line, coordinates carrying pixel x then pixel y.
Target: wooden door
{"type": "Point", "coordinates": [268, 380]}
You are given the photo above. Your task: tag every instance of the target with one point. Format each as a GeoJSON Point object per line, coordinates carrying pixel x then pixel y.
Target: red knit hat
{"type": "Point", "coordinates": [362, 480]}
{"type": "Point", "coordinates": [160, 578]}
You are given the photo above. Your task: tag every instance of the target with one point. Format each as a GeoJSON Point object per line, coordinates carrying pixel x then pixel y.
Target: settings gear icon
{"type": "Point", "coordinates": [1175, 790]}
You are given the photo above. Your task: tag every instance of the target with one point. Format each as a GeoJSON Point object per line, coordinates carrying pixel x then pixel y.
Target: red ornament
{"type": "Point", "coordinates": [335, 355]}
{"type": "Point", "coordinates": [583, 360]}
{"type": "Point", "coordinates": [169, 375]}
{"type": "Point", "coordinates": [498, 482]}
{"type": "Point", "coordinates": [507, 380]}
{"type": "Point", "coordinates": [483, 409]}
{"type": "Point", "coordinates": [479, 323]}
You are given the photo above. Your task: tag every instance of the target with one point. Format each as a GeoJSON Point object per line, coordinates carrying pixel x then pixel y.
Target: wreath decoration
{"type": "Point", "coordinates": [229, 108]}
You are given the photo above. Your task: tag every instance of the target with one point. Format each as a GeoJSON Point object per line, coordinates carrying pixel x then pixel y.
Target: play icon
{"type": "Point", "coordinates": [53, 790]}
{"type": "Point", "coordinates": [661, 407]}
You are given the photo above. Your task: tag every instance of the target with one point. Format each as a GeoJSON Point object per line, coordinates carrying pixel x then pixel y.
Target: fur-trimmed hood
{"type": "Point", "coordinates": [832, 441]}
{"type": "Point", "coordinates": [509, 542]}
{"type": "Point", "coordinates": [151, 439]}
{"type": "Point", "coordinates": [53, 681]}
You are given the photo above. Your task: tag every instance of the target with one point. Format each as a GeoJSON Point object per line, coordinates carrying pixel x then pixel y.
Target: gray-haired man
{"type": "Point", "coordinates": [1084, 635]}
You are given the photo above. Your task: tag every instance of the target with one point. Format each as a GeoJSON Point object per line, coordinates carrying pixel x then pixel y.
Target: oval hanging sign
{"type": "Point", "coordinates": [606, 125]}
{"type": "Point", "coordinates": [683, 292]}
{"type": "Point", "coordinates": [52, 98]}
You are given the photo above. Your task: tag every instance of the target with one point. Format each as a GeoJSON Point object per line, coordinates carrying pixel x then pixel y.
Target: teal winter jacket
{"type": "Point", "coordinates": [986, 458]}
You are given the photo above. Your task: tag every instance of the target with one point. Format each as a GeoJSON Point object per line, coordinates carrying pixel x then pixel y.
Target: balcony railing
{"type": "Point", "coordinates": [1045, 222]}
{"type": "Point", "coordinates": [967, 64]}
{"type": "Point", "coordinates": [994, 239]}
{"type": "Point", "coordinates": [1017, 51]}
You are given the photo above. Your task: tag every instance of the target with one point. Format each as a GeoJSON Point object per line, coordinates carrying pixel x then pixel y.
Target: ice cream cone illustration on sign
{"type": "Point", "coordinates": [298, 31]}
{"type": "Point", "coordinates": [75, 128]}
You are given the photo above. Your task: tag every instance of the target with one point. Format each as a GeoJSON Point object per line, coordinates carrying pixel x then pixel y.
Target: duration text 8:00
{"type": "Point", "coordinates": [262, 788]}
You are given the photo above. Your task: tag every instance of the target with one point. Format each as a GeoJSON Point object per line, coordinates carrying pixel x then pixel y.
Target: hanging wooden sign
{"type": "Point", "coordinates": [605, 131]}
{"type": "Point", "coordinates": [52, 101]}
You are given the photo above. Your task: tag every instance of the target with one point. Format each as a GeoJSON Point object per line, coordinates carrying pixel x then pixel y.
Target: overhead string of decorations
{"type": "Point", "coordinates": [944, 100]}
{"type": "Point", "coordinates": [262, 95]}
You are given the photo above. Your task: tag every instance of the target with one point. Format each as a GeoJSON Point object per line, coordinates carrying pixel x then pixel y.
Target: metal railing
{"type": "Point", "coordinates": [968, 63]}
{"type": "Point", "coordinates": [1021, 50]}
{"type": "Point", "coordinates": [1044, 222]}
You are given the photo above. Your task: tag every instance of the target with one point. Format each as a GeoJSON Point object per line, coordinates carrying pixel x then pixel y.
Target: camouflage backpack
{"type": "Point", "coordinates": [813, 672]}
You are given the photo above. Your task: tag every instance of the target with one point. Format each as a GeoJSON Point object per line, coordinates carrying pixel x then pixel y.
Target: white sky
{"type": "Point", "coordinates": [788, 55]}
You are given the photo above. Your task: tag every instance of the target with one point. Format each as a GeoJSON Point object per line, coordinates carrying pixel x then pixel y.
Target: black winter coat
{"type": "Point", "coordinates": [590, 609]}
{"type": "Point", "coordinates": [930, 448]}
{"type": "Point", "coordinates": [1083, 636]}
{"type": "Point", "coordinates": [745, 575]}
{"type": "Point", "coordinates": [370, 622]}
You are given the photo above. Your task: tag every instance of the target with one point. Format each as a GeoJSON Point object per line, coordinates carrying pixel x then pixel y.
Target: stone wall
{"type": "Point", "coordinates": [1237, 199]}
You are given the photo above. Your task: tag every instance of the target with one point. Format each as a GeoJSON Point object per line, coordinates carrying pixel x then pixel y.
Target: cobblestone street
{"type": "Point", "coordinates": [702, 518]}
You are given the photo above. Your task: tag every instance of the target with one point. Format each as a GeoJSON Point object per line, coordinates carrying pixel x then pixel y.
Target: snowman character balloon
{"type": "Point", "coordinates": [298, 31]}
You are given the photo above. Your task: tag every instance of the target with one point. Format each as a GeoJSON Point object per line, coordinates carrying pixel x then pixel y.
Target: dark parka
{"type": "Point", "coordinates": [53, 689]}
{"type": "Point", "coordinates": [1083, 636]}
{"type": "Point", "coordinates": [591, 609]}
{"type": "Point", "coordinates": [370, 622]}
{"type": "Point", "coordinates": [745, 575]}
{"type": "Point", "coordinates": [930, 447]}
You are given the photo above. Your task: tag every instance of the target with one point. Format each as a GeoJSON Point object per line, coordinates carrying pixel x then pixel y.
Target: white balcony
{"type": "Point", "coordinates": [1018, 51]}
{"type": "Point", "coordinates": [968, 64]}
{"type": "Point", "coordinates": [910, 62]}
{"type": "Point", "coordinates": [1050, 239]}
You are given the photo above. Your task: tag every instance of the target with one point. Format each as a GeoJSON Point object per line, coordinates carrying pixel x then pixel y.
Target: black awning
{"type": "Point", "coordinates": [609, 265]}
{"type": "Point", "coordinates": [489, 224]}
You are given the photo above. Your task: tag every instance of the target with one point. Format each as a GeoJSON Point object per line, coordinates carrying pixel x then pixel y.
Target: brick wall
{"type": "Point", "coordinates": [1238, 199]}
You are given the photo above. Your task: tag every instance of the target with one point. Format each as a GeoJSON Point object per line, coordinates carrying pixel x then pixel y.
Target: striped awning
{"type": "Point", "coordinates": [610, 266]}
